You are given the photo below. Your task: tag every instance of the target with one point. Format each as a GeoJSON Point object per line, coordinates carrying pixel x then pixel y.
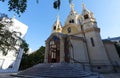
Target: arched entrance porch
{"type": "Point", "coordinates": [54, 50]}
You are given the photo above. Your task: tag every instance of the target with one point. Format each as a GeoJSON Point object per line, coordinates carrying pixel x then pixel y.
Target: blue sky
{"type": "Point", "coordinates": [40, 18]}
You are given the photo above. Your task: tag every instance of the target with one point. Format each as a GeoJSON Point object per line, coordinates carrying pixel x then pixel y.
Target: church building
{"type": "Point", "coordinates": [79, 41]}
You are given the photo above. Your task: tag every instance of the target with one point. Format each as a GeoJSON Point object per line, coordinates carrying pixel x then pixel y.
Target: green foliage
{"type": "Point", "coordinates": [24, 45]}
{"type": "Point", "coordinates": [18, 6]}
{"type": "Point", "coordinates": [8, 39]}
{"type": "Point", "coordinates": [32, 59]}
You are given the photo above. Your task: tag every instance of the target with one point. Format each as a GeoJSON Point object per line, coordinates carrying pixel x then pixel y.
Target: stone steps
{"type": "Point", "coordinates": [58, 70]}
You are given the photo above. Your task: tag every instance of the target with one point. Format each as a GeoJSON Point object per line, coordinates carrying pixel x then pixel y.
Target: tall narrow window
{"type": "Point", "coordinates": [92, 42]}
{"type": "Point", "coordinates": [72, 21]}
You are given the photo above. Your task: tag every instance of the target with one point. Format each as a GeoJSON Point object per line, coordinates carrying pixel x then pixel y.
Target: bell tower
{"type": "Point", "coordinates": [72, 23]}
{"type": "Point", "coordinates": [96, 50]}
{"type": "Point", "coordinates": [57, 27]}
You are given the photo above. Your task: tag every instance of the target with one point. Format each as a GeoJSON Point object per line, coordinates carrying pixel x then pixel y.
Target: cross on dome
{"type": "Point", "coordinates": [58, 20]}
{"type": "Point", "coordinates": [83, 6]}
{"type": "Point", "coordinates": [71, 5]}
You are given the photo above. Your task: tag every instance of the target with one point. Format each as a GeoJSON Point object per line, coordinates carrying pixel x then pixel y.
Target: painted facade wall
{"type": "Point", "coordinates": [79, 52]}
{"type": "Point", "coordinates": [112, 53]}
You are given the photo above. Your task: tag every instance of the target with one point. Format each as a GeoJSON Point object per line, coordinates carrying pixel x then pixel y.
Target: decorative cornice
{"type": "Point", "coordinates": [81, 32]}
{"type": "Point", "coordinates": [76, 37]}
{"type": "Point", "coordinates": [92, 29]}
{"type": "Point", "coordinates": [89, 20]}
{"type": "Point", "coordinates": [72, 24]}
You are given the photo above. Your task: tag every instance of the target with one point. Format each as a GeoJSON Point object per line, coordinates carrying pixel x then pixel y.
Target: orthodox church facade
{"type": "Point", "coordinates": [79, 41]}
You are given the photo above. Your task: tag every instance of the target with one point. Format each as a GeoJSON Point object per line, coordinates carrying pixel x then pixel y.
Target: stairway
{"type": "Point", "coordinates": [58, 70]}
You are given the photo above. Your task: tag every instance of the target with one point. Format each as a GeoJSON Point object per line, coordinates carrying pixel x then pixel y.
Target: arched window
{"type": "Point", "coordinates": [54, 28]}
{"type": "Point", "coordinates": [86, 16]}
{"type": "Point", "coordinates": [71, 21]}
{"type": "Point", "coordinates": [55, 38]}
{"type": "Point", "coordinates": [69, 30]}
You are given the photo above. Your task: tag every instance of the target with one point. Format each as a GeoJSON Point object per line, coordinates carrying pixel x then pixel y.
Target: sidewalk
{"type": "Point", "coordinates": [112, 75]}
{"type": "Point", "coordinates": [7, 75]}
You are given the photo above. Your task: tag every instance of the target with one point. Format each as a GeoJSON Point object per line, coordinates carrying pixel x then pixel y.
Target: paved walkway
{"type": "Point", "coordinates": [6, 76]}
{"type": "Point", "coordinates": [112, 75]}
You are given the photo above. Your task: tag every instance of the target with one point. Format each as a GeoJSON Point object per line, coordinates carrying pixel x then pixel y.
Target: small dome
{"type": "Point", "coordinates": [72, 17]}
{"type": "Point", "coordinates": [86, 13]}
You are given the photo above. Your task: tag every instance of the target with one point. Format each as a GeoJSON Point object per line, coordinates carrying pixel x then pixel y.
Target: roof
{"type": "Point", "coordinates": [115, 38]}
{"type": "Point", "coordinates": [111, 40]}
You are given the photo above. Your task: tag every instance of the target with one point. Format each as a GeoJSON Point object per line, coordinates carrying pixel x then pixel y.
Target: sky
{"type": "Point", "coordinates": [39, 17]}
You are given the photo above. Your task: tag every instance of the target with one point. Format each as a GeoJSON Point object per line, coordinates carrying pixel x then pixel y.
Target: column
{"type": "Point", "coordinates": [46, 53]}
{"type": "Point", "coordinates": [62, 55]}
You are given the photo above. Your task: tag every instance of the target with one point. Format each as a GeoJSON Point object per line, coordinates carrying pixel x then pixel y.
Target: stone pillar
{"type": "Point", "coordinates": [62, 55]}
{"type": "Point", "coordinates": [46, 53]}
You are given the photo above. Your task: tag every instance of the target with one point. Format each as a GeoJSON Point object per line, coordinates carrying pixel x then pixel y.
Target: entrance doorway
{"type": "Point", "coordinates": [54, 50]}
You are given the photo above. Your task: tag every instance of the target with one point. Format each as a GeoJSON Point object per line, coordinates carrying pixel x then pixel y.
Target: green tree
{"type": "Point", "coordinates": [19, 6]}
{"type": "Point", "coordinates": [25, 46]}
{"type": "Point", "coordinates": [24, 60]}
{"type": "Point", "coordinates": [9, 40]}
{"type": "Point", "coordinates": [28, 60]}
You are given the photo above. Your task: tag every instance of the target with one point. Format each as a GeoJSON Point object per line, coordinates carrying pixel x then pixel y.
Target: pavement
{"type": "Point", "coordinates": [8, 75]}
{"type": "Point", "coordinates": [111, 75]}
